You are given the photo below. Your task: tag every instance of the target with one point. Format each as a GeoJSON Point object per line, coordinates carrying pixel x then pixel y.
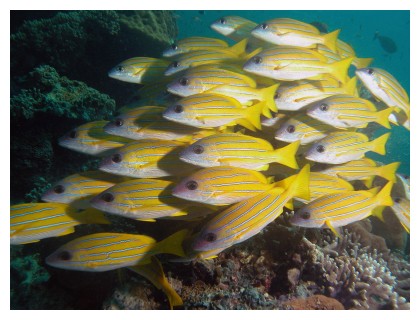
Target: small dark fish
{"type": "Point", "coordinates": [201, 12]}
{"type": "Point", "coordinates": [386, 43]}
{"type": "Point", "coordinates": [321, 26]}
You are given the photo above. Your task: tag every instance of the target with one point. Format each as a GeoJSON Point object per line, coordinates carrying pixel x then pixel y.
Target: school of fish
{"type": "Point", "coordinates": [228, 137]}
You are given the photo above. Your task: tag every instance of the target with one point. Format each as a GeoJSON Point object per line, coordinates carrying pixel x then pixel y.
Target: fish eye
{"type": "Point", "coordinates": [370, 71]}
{"type": "Point", "coordinates": [291, 129]}
{"type": "Point", "coordinates": [264, 26]}
{"type": "Point", "coordinates": [320, 148]}
{"type": "Point", "coordinates": [222, 21]}
{"type": "Point", "coordinates": [323, 107]}
{"type": "Point", "coordinates": [183, 81]}
{"type": "Point", "coordinates": [191, 185]}
{"type": "Point", "coordinates": [116, 158]}
{"type": "Point", "coordinates": [120, 68]}
{"type": "Point", "coordinates": [198, 149]}
{"type": "Point", "coordinates": [73, 134]}
{"type": "Point", "coordinates": [107, 197]}
{"type": "Point", "coordinates": [119, 122]}
{"type": "Point", "coordinates": [175, 64]}
{"type": "Point", "coordinates": [306, 215]}
{"type": "Point", "coordinates": [174, 46]}
{"type": "Point", "coordinates": [405, 176]}
{"type": "Point", "coordinates": [397, 200]}
{"type": "Point", "coordinates": [210, 237]}
{"type": "Point", "coordinates": [178, 108]}
{"type": "Point", "coordinates": [64, 255]}
{"type": "Point", "coordinates": [58, 189]}
{"type": "Point", "coordinates": [257, 59]}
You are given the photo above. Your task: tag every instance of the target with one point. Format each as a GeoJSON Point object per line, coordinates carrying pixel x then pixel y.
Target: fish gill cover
{"type": "Point", "coordinates": [239, 171]}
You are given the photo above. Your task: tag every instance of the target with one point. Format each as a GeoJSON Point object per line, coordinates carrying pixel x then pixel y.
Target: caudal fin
{"type": "Point", "coordinates": [253, 114]}
{"type": "Point", "coordinates": [330, 40]}
{"type": "Point", "coordinates": [382, 117]}
{"type": "Point", "coordinates": [339, 69]}
{"type": "Point", "coordinates": [267, 95]}
{"type": "Point", "coordinates": [388, 171]}
{"type": "Point", "coordinates": [287, 155]}
{"type": "Point", "coordinates": [383, 198]}
{"type": "Point", "coordinates": [239, 48]}
{"type": "Point", "coordinates": [173, 244]}
{"type": "Point", "coordinates": [299, 188]}
{"type": "Point", "coordinates": [378, 145]}
{"type": "Point", "coordinates": [350, 86]}
{"type": "Point", "coordinates": [360, 63]}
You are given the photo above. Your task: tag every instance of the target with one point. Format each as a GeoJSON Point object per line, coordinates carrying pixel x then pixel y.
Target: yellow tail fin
{"type": "Point", "coordinates": [287, 155]}
{"type": "Point", "coordinates": [360, 63]}
{"type": "Point", "coordinates": [339, 69]}
{"type": "Point", "coordinates": [253, 114]}
{"type": "Point", "coordinates": [268, 96]}
{"type": "Point", "coordinates": [382, 117]}
{"type": "Point", "coordinates": [239, 48]}
{"type": "Point", "coordinates": [173, 244]}
{"type": "Point", "coordinates": [253, 53]}
{"type": "Point", "coordinates": [378, 212]}
{"type": "Point", "coordinates": [378, 145]}
{"type": "Point", "coordinates": [350, 86]}
{"type": "Point", "coordinates": [388, 171]}
{"type": "Point", "coordinates": [299, 188]}
{"type": "Point", "coordinates": [383, 198]}
{"type": "Point", "coordinates": [330, 40]}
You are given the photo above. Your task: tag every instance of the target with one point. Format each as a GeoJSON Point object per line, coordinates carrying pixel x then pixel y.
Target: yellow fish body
{"type": "Point", "coordinates": [346, 51]}
{"type": "Point", "coordinates": [193, 44]}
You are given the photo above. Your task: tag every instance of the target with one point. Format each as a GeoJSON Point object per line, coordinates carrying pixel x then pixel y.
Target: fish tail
{"type": "Point", "coordinates": [268, 96]}
{"type": "Point", "coordinates": [330, 40]}
{"type": "Point", "coordinates": [239, 48]}
{"type": "Point", "coordinates": [92, 216]}
{"type": "Point", "coordinates": [368, 182]}
{"type": "Point", "coordinates": [253, 53]}
{"type": "Point", "coordinates": [388, 171]}
{"type": "Point", "coordinates": [339, 69]}
{"type": "Point", "coordinates": [299, 188]}
{"type": "Point", "coordinates": [378, 145]}
{"type": "Point", "coordinates": [350, 86]}
{"type": "Point", "coordinates": [173, 244]}
{"type": "Point", "coordinates": [253, 114]}
{"type": "Point", "coordinates": [287, 155]}
{"type": "Point", "coordinates": [383, 197]}
{"type": "Point", "coordinates": [382, 117]}
{"type": "Point", "coordinates": [378, 212]}
{"type": "Point", "coordinates": [362, 62]}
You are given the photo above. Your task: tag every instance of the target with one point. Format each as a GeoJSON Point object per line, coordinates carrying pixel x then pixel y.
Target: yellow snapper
{"type": "Point", "coordinates": [386, 88]}
{"type": "Point", "coordinates": [295, 96]}
{"type": "Point", "coordinates": [364, 169]}
{"type": "Point", "coordinates": [238, 150]}
{"type": "Point", "coordinates": [147, 123]}
{"type": "Point", "coordinates": [340, 209]}
{"type": "Point", "coordinates": [331, 55]}
{"type": "Point", "coordinates": [209, 110]}
{"type": "Point", "coordinates": [109, 251]}
{"type": "Point", "coordinates": [292, 63]}
{"type": "Point", "coordinates": [290, 32]}
{"type": "Point", "coordinates": [79, 188]}
{"type": "Point", "coordinates": [303, 128]}
{"type": "Point", "coordinates": [341, 147]}
{"type": "Point", "coordinates": [192, 44]}
{"type": "Point", "coordinates": [139, 70]}
{"type": "Point", "coordinates": [31, 222]}
{"type": "Point", "coordinates": [346, 111]}
{"type": "Point", "coordinates": [222, 185]}
{"type": "Point", "coordinates": [346, 51]}
{"type": "Point", "coordinates": [245, 219]}
{"type": "Point", "coordinates": [143, 199]}
{"type": "Point", "coordinates": [146, 159]}
{"type": "Point", "coordinates": [199, 79]}
{"type": "Point", "coordinates": [234, 27]}
{"type": "Point", "coordinates": [401, 208]}
{"type": "Point", "coordinates": [90, 138]}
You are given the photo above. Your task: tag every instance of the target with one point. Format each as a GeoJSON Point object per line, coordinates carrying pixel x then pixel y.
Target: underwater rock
{"type": "Point", "coordinates": [316, 302]}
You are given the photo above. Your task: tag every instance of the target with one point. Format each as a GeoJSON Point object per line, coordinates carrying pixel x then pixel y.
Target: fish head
{"type": "Point", "coordinates": [126, 73]}
{"type": "Point", "coordinates": [321, 152]}
{"type": "Point", "coordinates": [289, 131]}
{"type": "Point", "coordinates": [257, 65]}
{"type": "Point", "coordinates": [173, 50]}
{"type": "Point", "coordinates": [121, 126]}
{"type": "Point", "coordinates": [66, 257]}
{"type": "Point", "coordinates": [175, 66]}
{"type": "Point", "coordinates": [370, 78]}
{"type": "Point", "coordinates": [71, 140]}
{"type": "Point", "coordinates": [194, 188]}
{"type": "Point", "coordinates": [116, 163]}
{"type": "Point", "coordinates": [223, 26]}
{"type": "Point", "coordinates": [201, 154]}
{"type": "Point", "coordinates": [182, 86]}
{"type": "Point", "coordinates": [265, 31]}
{"type": "Point", "coordinates": [108, 201]}
{"type": "Point", "coordinates": [209, 239]}
{"type": "Point", "coordinates": [305, 218]}
{"type": "Point", "coordinates": [59, 193]}
{"type": "Point", "coordinates": [323, 111]}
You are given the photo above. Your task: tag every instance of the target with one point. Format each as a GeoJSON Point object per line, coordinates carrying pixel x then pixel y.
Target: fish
{"type": "Point", "coordinates": [199, 79]}
{"type": "Point", "coordinates": [401, 208]}
{"type": "Point", "coordinates": [143, 199]}
{"type": "Point", "coordinates": [402, 186]}
{"type": "Point", "coordinates": [364, 169]}
{"type": "Point", "coordinates": [153, 272]}
{"type": "Point", "coordinates": [346, 111]}
{"type": "Point", "coordinates": [387, 89]}
{"type": "Point", "coordinates": [238, 150]}
{"type": "Point", "coordinates": [106, 251]}
{"type": "Point", "coordinates": [222, 185]}
{"type": "Point", "coordinates": [147, 122]}
{"type": "Point", "coordinates": [142, 70]}
{"type": "Point", "coordinates": [346, 51]}
{"type": "Point", "coordinates": [290, 32]}
{"type": "Point", "coordinates": [90, 138]}
{"type": "Point", "coordinates": [192, 44]}
{"type": "Point", "coordinates": [245, 219]}
{"type": "Point", "coordinates": [304, 129]}
{"type": "Point", "coordinates": [31, 222]}
{"type": "Point", "coordinates": [148, 158]}
{"type": "Point", "coordinates": [77, 189]}
{"type": "Point", "coordinates": [340, 209]}
{"type": "Point", "coordinates": [233, 27]}
{"type": "Point", "coordinates": [292, 63]}
{"type": "Point", "coordinates": [341, 147]}
{"type": "Point", "coordinates": [209, 110]}
{"type": "Point", "coordinates": [386, 43]}
{"type": "Point", "coordinates": [332, 56]}
{"type": "Point", "coordinates": [295, 96]}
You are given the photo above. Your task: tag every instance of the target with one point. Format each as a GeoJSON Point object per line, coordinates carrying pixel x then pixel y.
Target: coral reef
{"type": "Point", "coordinates": [316, 302]}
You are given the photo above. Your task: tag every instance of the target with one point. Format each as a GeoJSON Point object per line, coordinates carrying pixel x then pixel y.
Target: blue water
{"type": "Point", "coordinates": [358, 29]}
